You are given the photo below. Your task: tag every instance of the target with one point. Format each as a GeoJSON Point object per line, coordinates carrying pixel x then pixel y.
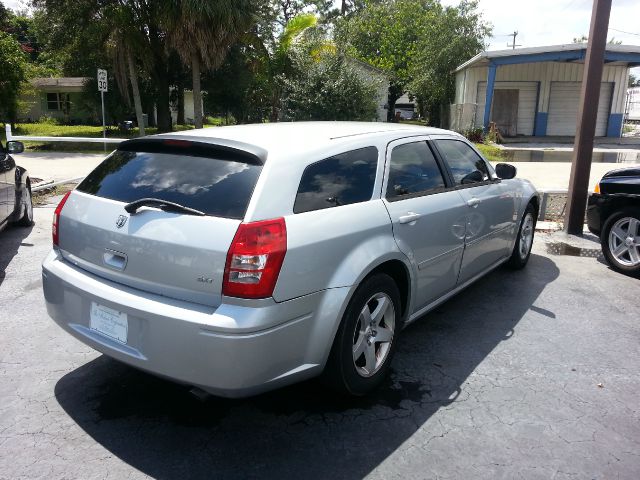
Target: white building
{"type": "Point", "coordinates": [536, 91]}
{"type": "Point", "coordinates": [632, 108]}
{"type": "Point", "coordinates": [370, 73]}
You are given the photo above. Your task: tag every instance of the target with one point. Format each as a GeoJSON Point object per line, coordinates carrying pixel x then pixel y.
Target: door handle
{"type": "Point", "coordinates": [473, 202]}
{"type": "Point", "coordinates": [410, 217]}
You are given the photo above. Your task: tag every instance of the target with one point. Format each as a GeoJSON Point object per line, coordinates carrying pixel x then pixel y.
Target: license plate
{"type": "Point", "coordinates": [109, 322]}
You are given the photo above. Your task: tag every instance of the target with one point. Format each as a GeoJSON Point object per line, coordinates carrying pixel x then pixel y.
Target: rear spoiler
{"type": "Point", "coordinates": [220, 148]}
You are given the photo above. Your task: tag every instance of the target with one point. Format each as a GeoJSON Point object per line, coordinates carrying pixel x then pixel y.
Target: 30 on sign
{"type": "Point", "coordinates": [102, 80]}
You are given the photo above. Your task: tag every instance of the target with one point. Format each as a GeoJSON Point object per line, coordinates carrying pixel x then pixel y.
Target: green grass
{"type": "Point", "coordinates": [491, 153]}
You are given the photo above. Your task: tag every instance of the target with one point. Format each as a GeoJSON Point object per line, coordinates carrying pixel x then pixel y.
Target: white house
{"type": "Point", "coordinates": [59, 97]}
{"type": "Point", "coordinates": [370, 73]}
{"type": "Point", "coordinates": [55, 98]}
{"type": "Point", "coordinates": [536, 91]}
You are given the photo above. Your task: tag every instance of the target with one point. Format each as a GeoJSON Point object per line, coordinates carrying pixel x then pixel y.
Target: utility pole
{"type": "Point", "coordinates": [587, 114]}
{"type": "Point", "coordinates": [514, 35]}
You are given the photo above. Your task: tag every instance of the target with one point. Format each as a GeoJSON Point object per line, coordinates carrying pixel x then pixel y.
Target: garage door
{"type": "Point", "coordinates": [527, 96]}
{"type": "Point", "coordinates": [563, 108]}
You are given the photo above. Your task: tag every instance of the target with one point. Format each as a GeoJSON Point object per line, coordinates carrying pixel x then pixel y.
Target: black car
{"type": "Point", "coordinates": [15, 188]}
{"type": "Point", "coordinates": [613, 213]}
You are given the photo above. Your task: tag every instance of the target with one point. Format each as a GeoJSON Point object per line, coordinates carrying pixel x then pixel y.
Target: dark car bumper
{"type": "Point", "coordinates": [595, 205]}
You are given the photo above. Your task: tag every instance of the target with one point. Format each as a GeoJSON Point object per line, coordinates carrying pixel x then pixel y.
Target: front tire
{"type": "Point", "coordinates": [26, 206]}
{"type": "Point", "coordinates": [367, 337]}
{"type": "Point", "coordinates": [524, 241]}
{"type": "Point", "coordinates": [620, 241]}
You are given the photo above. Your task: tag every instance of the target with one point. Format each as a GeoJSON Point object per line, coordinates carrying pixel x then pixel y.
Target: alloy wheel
{"type": "Point", "coordinates": [526, 236]}
{"type": "Point", "coordinates": [624, 241]}
{"type": "Point", "coordinates": [373, 334]}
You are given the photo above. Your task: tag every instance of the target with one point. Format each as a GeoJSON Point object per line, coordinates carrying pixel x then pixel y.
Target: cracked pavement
{"type": "Point", "coordinates": [502, 381]}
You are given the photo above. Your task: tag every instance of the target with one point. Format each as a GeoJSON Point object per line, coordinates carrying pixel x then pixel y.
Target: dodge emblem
{"type": "Point", "coordinates": [121, 221]}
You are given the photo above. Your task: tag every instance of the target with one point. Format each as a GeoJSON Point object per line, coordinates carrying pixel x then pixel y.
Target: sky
{"type": "Point", "coordinates": [554, 22]}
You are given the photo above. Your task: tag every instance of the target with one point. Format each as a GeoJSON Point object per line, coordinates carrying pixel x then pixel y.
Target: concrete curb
{"type": "Point", "coordinates": [561, 243]}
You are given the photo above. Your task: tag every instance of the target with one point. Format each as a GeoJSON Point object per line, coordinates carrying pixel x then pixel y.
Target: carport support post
{"type": "Point", "coordinates": [587, 114]}
{"type": "Point", "coordinates": [488, 99]}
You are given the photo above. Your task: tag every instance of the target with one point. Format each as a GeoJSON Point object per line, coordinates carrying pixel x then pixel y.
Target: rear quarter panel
{"type": "Point", "coordinates": [334, 247]}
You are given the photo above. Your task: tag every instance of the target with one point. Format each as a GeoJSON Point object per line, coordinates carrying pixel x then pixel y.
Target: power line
{"type": "Point", "coordinates": [622, 31]}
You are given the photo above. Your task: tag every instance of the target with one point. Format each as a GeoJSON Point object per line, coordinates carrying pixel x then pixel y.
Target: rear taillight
{"type": "Point", "coordinates": [255, 258]}
{"type": "Point", "coordinates": [55, 227]}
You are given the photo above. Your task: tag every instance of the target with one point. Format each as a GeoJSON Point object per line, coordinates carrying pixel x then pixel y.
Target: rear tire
{"type": "Point", "coordinates": [524, 240]}
{"type": "Point", "coordinates": [366, 340]}
{"type": "Point", "coordinates": [26, 205]}
{"type": "Point", "coordinates": [620, 241]}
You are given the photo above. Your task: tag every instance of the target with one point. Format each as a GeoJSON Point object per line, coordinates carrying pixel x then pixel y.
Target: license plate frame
{"type": "Point", "coordinates": [109, 322]}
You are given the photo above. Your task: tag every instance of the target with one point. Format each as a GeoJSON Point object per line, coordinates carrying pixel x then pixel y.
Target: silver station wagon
{"type": "Point", "coordinates": [240, 259]}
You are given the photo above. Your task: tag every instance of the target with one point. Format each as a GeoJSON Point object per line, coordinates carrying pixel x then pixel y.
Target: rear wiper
{"type": "Point", "coordinates": [162, 205]}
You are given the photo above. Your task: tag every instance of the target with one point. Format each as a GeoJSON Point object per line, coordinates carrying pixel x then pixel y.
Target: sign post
{"type": "Point", "coordinates": [103, 87]}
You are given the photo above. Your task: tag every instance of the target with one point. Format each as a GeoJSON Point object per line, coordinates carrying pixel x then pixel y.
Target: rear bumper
{"type": "Point", "coordinates": [233, 350]}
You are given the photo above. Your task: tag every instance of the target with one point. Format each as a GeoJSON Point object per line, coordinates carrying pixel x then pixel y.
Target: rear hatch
{"type": "Point", "coordinates": [175, 252]}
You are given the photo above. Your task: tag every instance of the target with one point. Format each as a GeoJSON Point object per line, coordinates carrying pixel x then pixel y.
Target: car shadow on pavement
{"type": "Point", "coordinates": [11, 239]}
{"type": "Point", "coordinates": [302, 431]}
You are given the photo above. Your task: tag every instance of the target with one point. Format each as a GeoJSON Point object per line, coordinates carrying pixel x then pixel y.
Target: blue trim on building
{"type": "Point", "coordinates": [632, 58]}
{"type": "Point", "coordinates": [488, 99]}
{"type": "Point", "coordinates": [566, 56]}
{"type": "Point", "coordinates": [540, 57]}
{"type": "Point", "coordinates": [540, 124]}
{"type": "Point", "coordinates": [614, 127]}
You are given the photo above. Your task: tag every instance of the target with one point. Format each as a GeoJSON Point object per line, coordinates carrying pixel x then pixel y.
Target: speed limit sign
{"type": "Point", "coordinates": [102, 80]}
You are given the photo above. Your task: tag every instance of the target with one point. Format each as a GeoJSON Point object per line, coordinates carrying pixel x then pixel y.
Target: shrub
{"type": "Point", "coordinates": [328, 89]}
{"type": "Point", "coordinates": [48, 120]}
{"type": "Point", "coordinates": [475, 135]}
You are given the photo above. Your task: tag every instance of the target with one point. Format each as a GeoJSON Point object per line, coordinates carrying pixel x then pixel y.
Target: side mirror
{"type": "Point", "coordinates": [506, 171]}
{"type": "Point", "coordinates": [15, 147]}
{"type": "Point", "coordinates": [473, 177]}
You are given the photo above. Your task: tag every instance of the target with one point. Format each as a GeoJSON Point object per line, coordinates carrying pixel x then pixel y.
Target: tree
{"type": "Point", "coordinates": [457, 35]}
{"type": "Point", "coordinates": [202, 32]}
{"type": "Point", "coordinates": [13, 67]}
{"type": "Point", "coordinates": [241, 86]}
{"type": "Point", "coordinates": [417, 42]}
{"type": "Point", "coordinates": [327, 89]}
{"type": "Point", "coordinates": [89, 44]}
{"type": "Point", "coordinates": [386, 35]}
{"type": "Point", "coordinates": [585, 39]}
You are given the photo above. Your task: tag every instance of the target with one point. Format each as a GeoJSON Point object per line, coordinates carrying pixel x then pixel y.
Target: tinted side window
{"type": "Point", "coordinates": [465, 164]}
{"type": "Point", "coordinates": [413, 169]}
{"type": "Point", "coordinates": [339, 180]}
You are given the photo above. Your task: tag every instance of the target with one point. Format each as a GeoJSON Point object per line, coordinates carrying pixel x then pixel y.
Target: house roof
{"type": "Point", "coordinates": [629, 54]}
{"type": "Point", "coordinates": [59, 82]}
{"type": "Point", "coordinates": [367, 66]}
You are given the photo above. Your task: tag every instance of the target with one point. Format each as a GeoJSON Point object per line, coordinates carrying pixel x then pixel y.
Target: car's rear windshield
{"type": "Point", "coordinates": [215, 186]}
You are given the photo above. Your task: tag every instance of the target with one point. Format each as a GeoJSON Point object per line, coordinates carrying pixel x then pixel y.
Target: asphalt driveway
{"type": "Point", "coordinates": [530, 374]}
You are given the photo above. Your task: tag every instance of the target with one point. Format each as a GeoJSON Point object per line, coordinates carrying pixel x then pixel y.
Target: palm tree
{"type": "Point", "coordinates": [201, 31]}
